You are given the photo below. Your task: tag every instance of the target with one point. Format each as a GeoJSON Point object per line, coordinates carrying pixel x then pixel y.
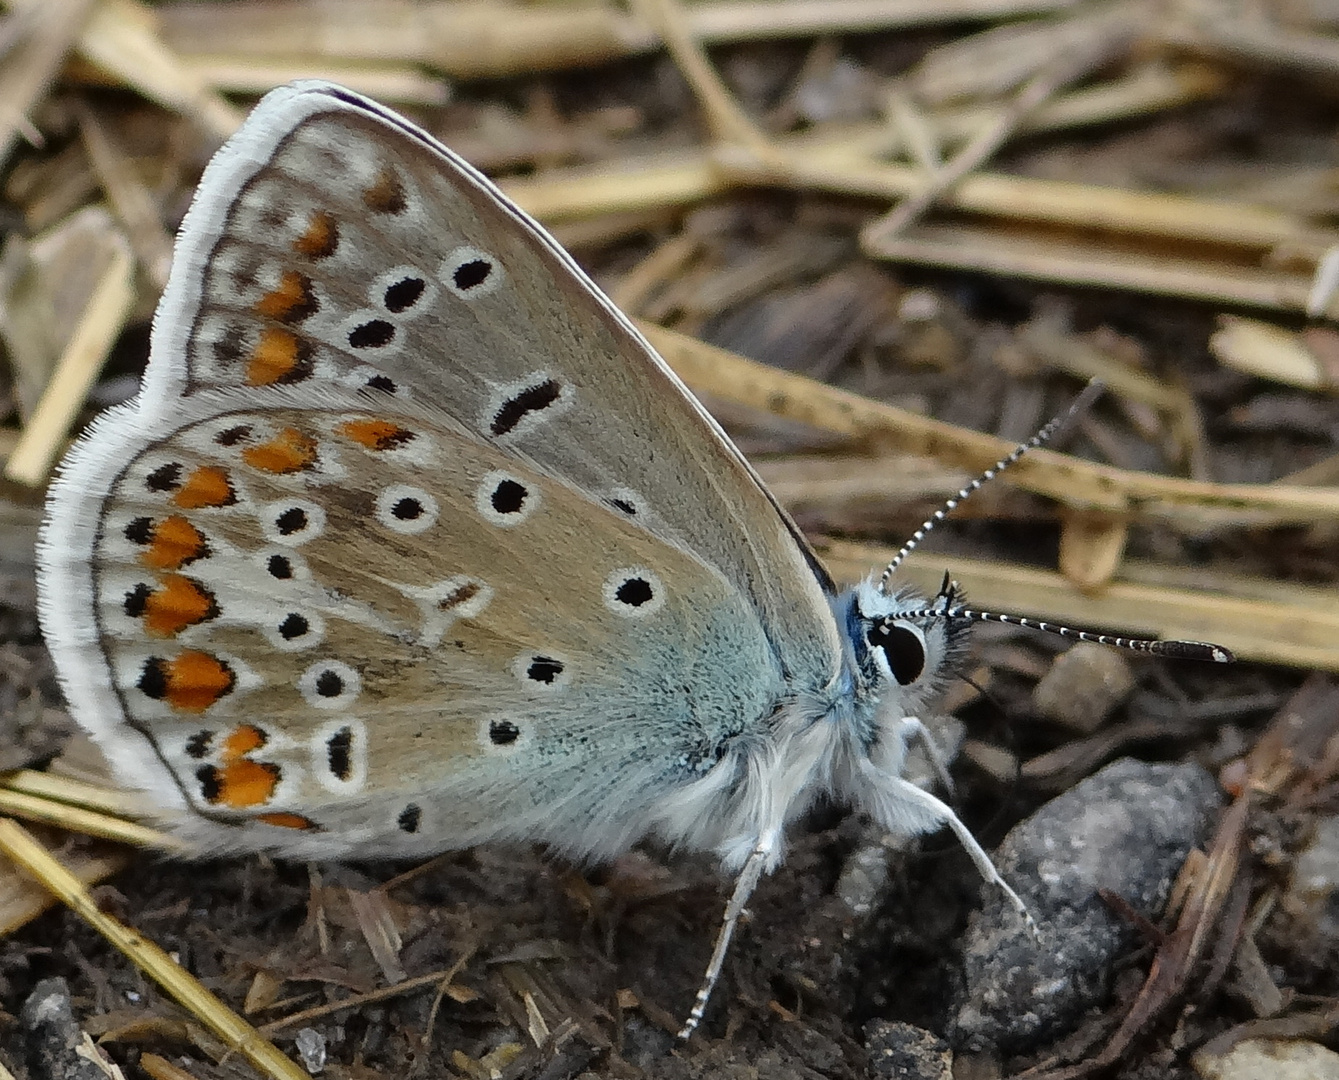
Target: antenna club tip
{"type": "Point", "coordinates": [1197, 650]}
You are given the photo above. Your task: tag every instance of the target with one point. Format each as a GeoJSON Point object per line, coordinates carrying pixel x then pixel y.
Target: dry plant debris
{"type": "Point", "coordinates": [884, 240]}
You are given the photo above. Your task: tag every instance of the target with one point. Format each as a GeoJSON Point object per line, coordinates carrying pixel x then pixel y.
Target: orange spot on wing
{"type": "Point", "coordinates": [287, 821]}
{"type": "Point", "coordinates": [193, 681]}
{"type": "Point", "coordinates": [289, 451]}
{"type": "Point", "coordinates": [292, 300]}
{"type": "Point", "coordinates": [244, 782]}
{"type": "Point", "coordinates": [280, 356]}
{"type": "Point", "coordinates": [206, 486]}
{"type": "Point", "coordinates": [241, 741]}
{"type": "Point", "coordinates": [177, 603]}
{"type": "Point", "coordinates": [375, 434]}
{"type": "Point", "coordinates": [321, 237]}
{"type": "Point", "coordinates": [174, 543]}
{"type": "Point", "coordinates": [386, 194]}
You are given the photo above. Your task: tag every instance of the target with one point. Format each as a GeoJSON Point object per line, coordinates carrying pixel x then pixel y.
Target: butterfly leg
{"type": "Point", "coordinates": [758, 861]}
{"type": "Point", "coordinates": [914, 729]}
{"type": "Point", "coordinates": [908, 801]}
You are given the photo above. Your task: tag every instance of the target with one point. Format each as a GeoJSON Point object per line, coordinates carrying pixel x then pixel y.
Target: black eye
{"type": "Point", "coordinates": [903, 648]}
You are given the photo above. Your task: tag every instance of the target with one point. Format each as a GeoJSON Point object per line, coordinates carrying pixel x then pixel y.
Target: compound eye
{"type": "Point", "coordinates": [903, 648]}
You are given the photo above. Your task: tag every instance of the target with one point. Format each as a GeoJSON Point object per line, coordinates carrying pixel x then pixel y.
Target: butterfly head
{"type": "Point", "coordinates": [901, 645]}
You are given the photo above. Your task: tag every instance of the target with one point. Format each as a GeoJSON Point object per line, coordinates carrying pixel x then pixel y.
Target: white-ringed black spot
{"type": "Point", "coordinates": [544, 669]}
{"type": "Point", "coordinates": [404, 294]}
{"type": "Point", "coordinates": [525, 403]}
{"type": "Point", "coordinates": [626, 501]}
{"type": "Point", "coordinates": [633, 592]}
{"type": "Point", "coordinates": [330, 684]}
{"type": "Point", "coordinates": [410, 818]}
{"type": "Point", "coordinates": [293, 626]}
{"type": "Point", "coordinates": [229, 347]}
{"type": "Point", "coordinates": [338, 753]}
{"type": "Point", "coordinates": [472, 274]}
{"type": "Point", "coordinates": [509, 497]}
{"type": "Point", "coordinates": [373, 334]}
{"type": "Point", "coordinates": [290, 521]}
{"type": "Point", "coordinates": [506, 499]}
{"type": "Point", "coordinates": [406, 509]}
{"type": "Point", "coordinates": [211, 783]}
{"type": "Point", "coordinates": [279, 567]}
{"type": "Point", "coordinates": [384, 383]}
{"type": "Point", "coordinates": [503, 732]}
{"type": "Point", "coordinates": [197, 746]}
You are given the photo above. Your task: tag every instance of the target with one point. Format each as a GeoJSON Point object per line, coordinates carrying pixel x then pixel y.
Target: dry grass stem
{"type": "Point", "coordinates": [433, 978]}
{"type": "Point", "coordinates": [57, 788]}
{"type": "Point", "coordinates": [727, 120]}
{"type": "Point", "coordinates": [489, 39]}
{"type": "Point", "coordinates": [130, 198]}
{"type": "Point", "coordinates": [679, 178]}
{"type": "Point", "coordinates": [1219, 30]}
{"type": "Point", "coordinates": [43, 33]}
{"type": "Point", "coordinates": [1092, 547]}
{"type": "Point", "coordinates": [1103, 37]}
{"type": "Point", "coordinates": [96, 331]}
{"type": "Point", "coordinates": [121, 36]}
{"type": "Point", "coordinates": [22, 899]}
{"type": "Point", "coordinates": [1139, 92]}
{"type": "Point", "coordinates": [1071, 481]}
{"type": "Point", "coordinates": [48, 812]}
{"type": "Point", "coordinates": [1095, 265]}
{"type": "Point", "coordinates": [20, 846]}
{"type": "Point", "coordinates": [1270, 352]}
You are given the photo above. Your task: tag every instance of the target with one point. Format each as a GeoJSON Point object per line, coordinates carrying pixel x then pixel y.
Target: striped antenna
{"type": "Point", "coordinates": [1081, 404]}
{"type": "Point", "coordinates": [946, 606]}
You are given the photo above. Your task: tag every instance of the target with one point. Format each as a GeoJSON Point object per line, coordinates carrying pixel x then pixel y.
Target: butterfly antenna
{"type": "Point", "coordinates": [946, 605]}
{"type": "Point", "coordinates": [1081, 404]}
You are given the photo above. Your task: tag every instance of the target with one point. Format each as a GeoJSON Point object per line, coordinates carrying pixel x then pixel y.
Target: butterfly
{"type": "Point", "coordinates": [410, 542]}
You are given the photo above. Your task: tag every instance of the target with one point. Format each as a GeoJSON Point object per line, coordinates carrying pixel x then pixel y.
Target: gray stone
{"type": "Point", "coordinates": [1126, 829]}
{"type": "Point", "coordinates": [57, 1048]}
{"type": "Point", "coordinates": [906, 1052]}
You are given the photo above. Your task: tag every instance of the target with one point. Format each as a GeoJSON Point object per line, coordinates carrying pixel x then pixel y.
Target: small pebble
{"type": "Point", "coordinates": [1083, 687]}
{"type": "Point", "coordinates": [1309, 898]}
{"type": "Point", "coordinates": [52, 1036]}
{"type": "Point", "coordinates": [1277, 1059]}
{"type": "Point", "coordinates": [1128, 828]}
{"type": "Point", "coordinates": [311, 1049]}
{"type": "Point", "coordinates": [904, 1052]}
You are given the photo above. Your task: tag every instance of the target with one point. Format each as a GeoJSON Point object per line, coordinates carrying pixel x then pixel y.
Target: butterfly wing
{"type": "Point", "coordinates": [410, 541]}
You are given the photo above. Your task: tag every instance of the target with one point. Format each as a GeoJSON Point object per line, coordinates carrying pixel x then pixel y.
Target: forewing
{"type": "Point", "coordinates": [361, 251]}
